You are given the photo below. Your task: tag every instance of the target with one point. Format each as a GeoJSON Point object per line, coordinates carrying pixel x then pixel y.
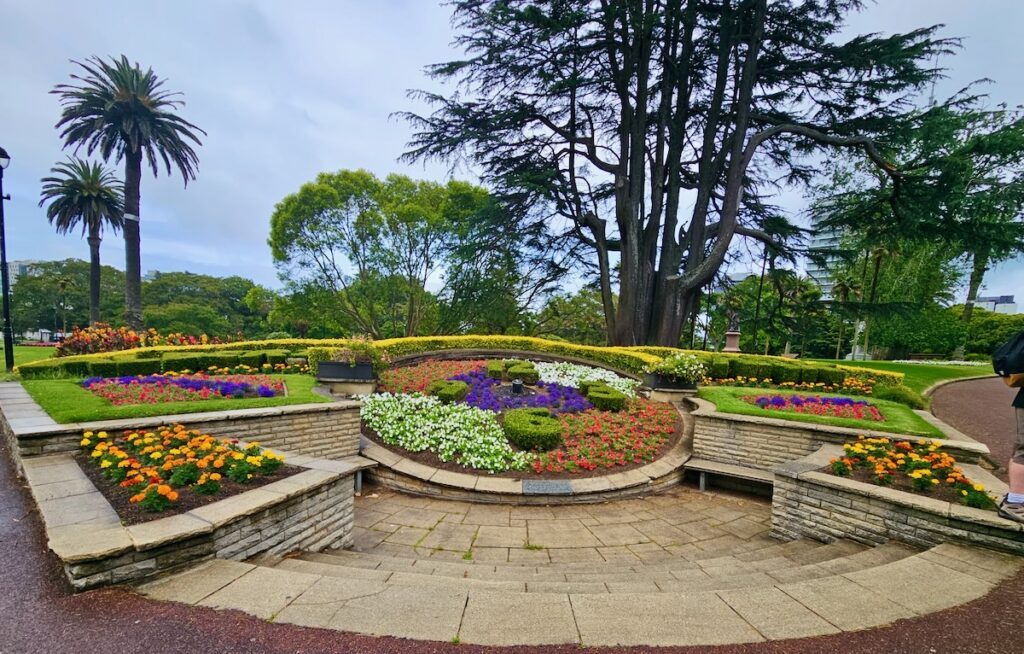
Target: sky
{"type": "Point", "coordinates": [285, 90]}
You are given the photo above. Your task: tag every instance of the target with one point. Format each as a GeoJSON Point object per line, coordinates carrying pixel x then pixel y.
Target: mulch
{"type": "Point", "coordinates": [40, 615]}
{"type": "Point", "coordinates": [133, 514]}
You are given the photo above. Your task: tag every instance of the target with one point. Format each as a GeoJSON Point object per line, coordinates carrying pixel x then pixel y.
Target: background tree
{"type": "Point", "coordinates": [961, 187]}
{"type": "Point", "coordinates": [123, 112]}
{"type": "Point", "coordinates": [577, 317]}
{"type": "Point", "coordinates": [218, 303]}
{"type": "Point", "coordinates": [84, 194]}
{"type": "Point", "coordinates": [654, 130]}
{"type": "Point", "coordinates": [38, 301]}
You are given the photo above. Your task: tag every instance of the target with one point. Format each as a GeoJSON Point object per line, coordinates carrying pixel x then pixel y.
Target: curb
{"type": "Point", "coordinates": [945, 382]}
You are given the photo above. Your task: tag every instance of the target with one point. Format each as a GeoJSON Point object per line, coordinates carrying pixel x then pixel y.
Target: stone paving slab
{"type": "Point", "coordinates": [262, 592]}
{"type": "Point", "coordinates": [193, 585]}
{"type": "Point", "coordinates": [845, 604]}
{"type": "Point", "coordinates": [503, 619]}
{"type": "Point", "coordinates": [668, 619]}
{"type": "Point", "coordinates": [404, 612]}
{"type": "Point", "coordinates": [776, 615]}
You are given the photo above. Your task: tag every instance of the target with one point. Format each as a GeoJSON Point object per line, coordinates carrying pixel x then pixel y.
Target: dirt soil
{"type": "Point", "coordinates": [133, 514]}
{"type": "Point", "coordinates": [940, 492]}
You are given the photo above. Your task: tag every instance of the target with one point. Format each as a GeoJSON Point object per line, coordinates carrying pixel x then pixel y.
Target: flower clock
{"type": "Point", "coordinates": [464, 422]}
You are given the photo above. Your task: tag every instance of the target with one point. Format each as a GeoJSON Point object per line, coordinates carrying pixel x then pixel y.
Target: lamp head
{"type": "Point", "coordinates": [5, 159]}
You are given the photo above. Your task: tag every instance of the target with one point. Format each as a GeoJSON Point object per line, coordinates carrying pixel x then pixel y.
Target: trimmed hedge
{"type": "Point", "coordinates": [532, 429]}
{"type": "Point", "coordinates": [448, 391]}
{"type": "Point", "coordinates": [496, 369]}
{"type": "Point", "coordinates": [275, 356]}
{"type": "Point", "coordinates": [606, 398]}
{"type": "Point", "coordinates": [252, 359]}
{"type": "Point", "coordinates": [901, 394]}
{"type": "Point", "coordinates": [527, 373]}
{"type": "Point", "coordinates": [198, 362]}
{"type": "Point", "coordinates": [106, 368]}
{"type": "Point", "coordinates": [126, 367]}
{"type": "Point", "coordinates": [588, 384]}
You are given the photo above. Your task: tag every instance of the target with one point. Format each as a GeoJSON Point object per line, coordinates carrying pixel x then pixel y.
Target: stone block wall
{"type": "Point", "coordinates": [812, 504]}
{"type": "Point", "coordinates": [765, 443]}
{"type": "Point", "coordinates": [328, 430]}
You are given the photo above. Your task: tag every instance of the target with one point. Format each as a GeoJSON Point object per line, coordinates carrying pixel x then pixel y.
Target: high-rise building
{"type": "Point", "coordinates": [997, 303]}
{"type": "Point", "coordinates": [17, 268]}
{"type": "Point", "coordinates": [824, 240]}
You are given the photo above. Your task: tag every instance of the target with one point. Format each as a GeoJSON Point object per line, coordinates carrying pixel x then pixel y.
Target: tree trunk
{"type": "Point", "coordinates": [94, 274]}
{"type": "Point", "coordinates": [839, 345]}
{"type": "Point", "coordinates": [132, 251]}
{"type": "Point", "coordinates": [978, 270]}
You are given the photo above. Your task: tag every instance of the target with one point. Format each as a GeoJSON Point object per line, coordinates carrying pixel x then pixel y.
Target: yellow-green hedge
{"type": "Point", "coordinates": [628, 359]}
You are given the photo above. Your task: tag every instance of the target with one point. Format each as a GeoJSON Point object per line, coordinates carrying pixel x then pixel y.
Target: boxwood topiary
{"type": "Point", "coordinates": [496, 369]}
{"type": "Point", "coordinates": [448, 391]}
{"type": "Point", "coordinates": [533, 429]}
{"type": "Point", "coordinates": [782, 373]}
{"type": "Point", "coordinates": [276, 356]}
{"type": "Point", "coordinates": [809, 375]}
{"type": "Point", "coordinates": [527, 373]}
{"type": "Point", "coordinates": [606, 398]}
{"type": "Point", "coordinates": [901, 394]}
{"type": "Point", "coordinates": [588, 384]}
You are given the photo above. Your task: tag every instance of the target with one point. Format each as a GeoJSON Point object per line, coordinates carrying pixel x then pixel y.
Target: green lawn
{"type": "Point", "coordinates": [898, 418]}
{"type": "Point", "coordinates": [919, 376]}
{"type": "Point", "coordinates": [24, 354]}
{"type": "Point", "coordinates": [66, 401]}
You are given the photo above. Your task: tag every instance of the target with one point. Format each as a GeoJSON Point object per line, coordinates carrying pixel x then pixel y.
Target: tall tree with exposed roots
{"type": "Point", "coordinates": [84, 194]}
{"type": "Point", "coordinates": [656, 130]}
{"type": "Point", "coordinates": [123, 112]}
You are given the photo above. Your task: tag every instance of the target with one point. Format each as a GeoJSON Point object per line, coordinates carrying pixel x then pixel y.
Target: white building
{"type": "Point", "coordinates": [18, 268]}
{"type": "Point", "coordinates": [997, 303]}
{"type": "Point", "coordinates": [824, 241]}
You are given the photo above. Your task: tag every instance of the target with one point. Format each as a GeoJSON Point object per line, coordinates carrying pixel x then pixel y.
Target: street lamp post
{"type": "Point", "coordinates": [5, 159]}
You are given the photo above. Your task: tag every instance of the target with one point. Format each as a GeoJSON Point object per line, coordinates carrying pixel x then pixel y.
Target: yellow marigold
{"type": "Point", "coordinates": [215, 476]}
{"type": "Point", "coordinates": [979, 487]}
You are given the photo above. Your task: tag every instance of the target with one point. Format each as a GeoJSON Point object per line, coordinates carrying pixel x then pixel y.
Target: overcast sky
{"type": "Point", "coordinates": [288, 89]}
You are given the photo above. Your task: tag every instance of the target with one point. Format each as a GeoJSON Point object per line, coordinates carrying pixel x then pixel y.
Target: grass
{"type": "Point", "coordinates": [25, 354]}
{"type": "Point", "coordinates": [919, 376]}
{"type": "Point", "coordinates": [66, 401]}
{"type": "Point", "coordinates": [898, 418]}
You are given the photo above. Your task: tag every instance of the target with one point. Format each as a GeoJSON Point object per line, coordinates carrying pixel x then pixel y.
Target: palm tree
{"type": "Point", "coordinates": [84, 194]}
{"type": "Point", "coordinates": [124, 112]}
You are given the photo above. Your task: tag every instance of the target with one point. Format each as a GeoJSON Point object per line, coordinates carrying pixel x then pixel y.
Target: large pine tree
{"type": "Point", "coordinates": [655, 129]}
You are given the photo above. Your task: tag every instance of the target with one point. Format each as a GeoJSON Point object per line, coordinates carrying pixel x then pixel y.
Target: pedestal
{"type": "Point", "coordinates": [732, 342]}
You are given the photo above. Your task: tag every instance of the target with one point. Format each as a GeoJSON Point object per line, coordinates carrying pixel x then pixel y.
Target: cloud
{"type": "Point", "coordinates": [286, 90]}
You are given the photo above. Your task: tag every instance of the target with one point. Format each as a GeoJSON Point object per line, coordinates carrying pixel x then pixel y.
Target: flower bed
{"type": "Point", "coordinates": [558, 398]}
{"type": "Point", "coordinates": [605, 439]}
{"type": "Point", "coordinates": [102, 337]}
{"type": "Point", "coordinates": [160, 389]}
{"type": "Point", "coordinates": [467, 430]}
{"type": "Point", "coordinates": [172, 467]}
{"type": "Point", "coordinates": [851, 385]}
{"type": "Point", "coordinates": [415, 379]}
{"type": "Point", "coordinates": [835, 407]}
{"type": "Point", "coordinates": [922, 467]}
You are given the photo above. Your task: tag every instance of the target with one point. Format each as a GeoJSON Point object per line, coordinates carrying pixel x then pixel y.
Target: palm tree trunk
{"type": "Point", "coordinates": [94, 274]}
{"type": "Point", "coordinates": [839, 345]}
{"type": "Point", "coordinates": [132, 251]}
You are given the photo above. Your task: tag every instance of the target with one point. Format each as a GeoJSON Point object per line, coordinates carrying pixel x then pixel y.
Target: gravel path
{"type": "Point", "coordinates": [981, 409]}
{"type": "Point", "coordinates": [39, 614]}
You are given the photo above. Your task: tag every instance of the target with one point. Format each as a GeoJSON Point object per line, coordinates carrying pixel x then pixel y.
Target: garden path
{"type": "Point", "coordinates": [980, 408]}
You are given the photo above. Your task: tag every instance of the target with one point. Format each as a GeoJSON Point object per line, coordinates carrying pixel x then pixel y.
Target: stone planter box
{"type": "Point", "coordinates": [341, 371]}
{"type": "Point", "coordinates": [310, 510]}
{"type": "Point", "coordinates": [764, 443]}
{"type": "Point", "coordinates": [813, 504]}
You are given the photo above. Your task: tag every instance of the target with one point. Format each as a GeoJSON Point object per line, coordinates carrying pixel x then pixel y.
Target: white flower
{"type": "Point", "coordinates": [571, 374]}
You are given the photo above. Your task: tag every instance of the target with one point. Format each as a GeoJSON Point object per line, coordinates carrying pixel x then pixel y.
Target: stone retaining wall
{"type": "Point", "coordinates": [809, 503]}
{"type": "Point", "coordinates": [310, 510]}
{"type": "Point", "coordinates": [764, 443]}
{"type": "Point", "coordinates": [325, 430]}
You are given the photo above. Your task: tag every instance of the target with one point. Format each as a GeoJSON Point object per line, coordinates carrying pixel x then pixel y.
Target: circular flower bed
{"type": "Point", "coordinates": [451, 414]}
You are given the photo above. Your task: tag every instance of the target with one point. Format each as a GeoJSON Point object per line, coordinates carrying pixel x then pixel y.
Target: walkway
{"type": "Point", "coordinates": [39, 615]}
{"type": "Point", "coordinates": [981, 409]}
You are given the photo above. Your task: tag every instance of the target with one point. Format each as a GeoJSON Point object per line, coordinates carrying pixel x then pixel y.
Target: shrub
{"type": "Point", "coordinates": [106, 368]}
{"type": "Point", "coordinates": [496, 369]}
{"type": "Point", "coordinates": [782, 373]}
{"type": "Point", "coordinates": [509, 363]}
{"type": "Point", "coordinates": [276, 356]}
{"type": "Point", "coordinates": [315, 356]}
{"type": "Point", "coordinates": [253, 359]}
{"type": "Point", "coordinates": [718, 368]}
{"type": "Point", "coordinates": [742, 368]}
{"type": "Point", "coordinates": [198, 361]}
{"type": "Point", "coordinates": [588, 384]}
{"type": "Point", "coordinates": [680, 367]}
{"type": "Point", "coordinates": [127, 367]}
{"type": "Point", "coordinates": [448, 391]}
{"type": "Point", "coordinates": [527, 373]}
{"type": "Point", "coordinates": [46, 368]}
{"type": "Point", "coordinates": [901, 394]}
{"type": "Point", "coordinates": [277, 335]}
{"type": "Point", "coordinates": [809, 375]}
{"type": "Point", "coordinates": [606, 398]}
{"type": "Point", "coordinates": [831, 376]}
{"type": "Point", "coordinates": [533, 429]}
